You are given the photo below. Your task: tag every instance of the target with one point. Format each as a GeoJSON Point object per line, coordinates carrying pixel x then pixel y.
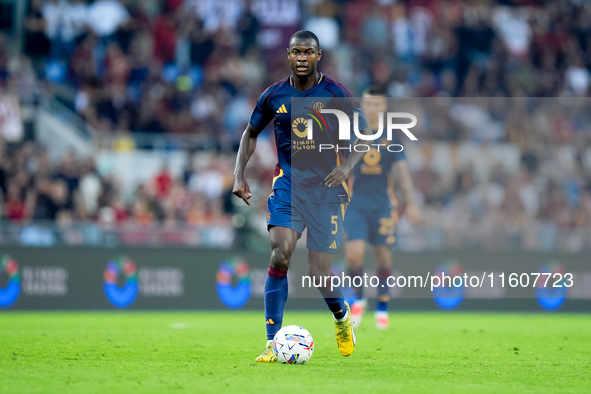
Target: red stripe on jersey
{"type": "Point", "coordinates": [276, 170]}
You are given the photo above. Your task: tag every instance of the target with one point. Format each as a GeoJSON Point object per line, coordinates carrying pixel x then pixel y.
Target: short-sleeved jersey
{"type": "Point", "coordinates": [302, 165]}
{"type": "Point", "coordinates": [371, 176]}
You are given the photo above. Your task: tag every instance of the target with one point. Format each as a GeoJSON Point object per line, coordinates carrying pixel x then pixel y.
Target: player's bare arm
{"type": "Point", "coordinates": [340, 173]}
{"type": "Point", "coordinates": [248, 144]}
{"type": "Point", "coordinates": [412, 211]}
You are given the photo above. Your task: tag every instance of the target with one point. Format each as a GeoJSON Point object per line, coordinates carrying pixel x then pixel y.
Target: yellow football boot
{"type": "Point", "coordinates": [345, 334]}
{"type": "Point", "coordinates": [267, 356]}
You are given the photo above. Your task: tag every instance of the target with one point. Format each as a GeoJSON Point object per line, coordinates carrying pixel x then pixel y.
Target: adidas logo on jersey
{"type": "Point", "coordinates": [282, 109]}
{"type": "Point", "coordinates": [333, 245]}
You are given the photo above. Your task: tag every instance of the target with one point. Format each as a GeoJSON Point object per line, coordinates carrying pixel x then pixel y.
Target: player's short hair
{"type": "Point", "coordinates": [374, 90]}
{"type": "Point", "coordinates": [305, 35]}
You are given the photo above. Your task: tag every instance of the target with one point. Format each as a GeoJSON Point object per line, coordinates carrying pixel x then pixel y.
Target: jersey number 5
{"type": "Point", "coordinates": [333, 220]}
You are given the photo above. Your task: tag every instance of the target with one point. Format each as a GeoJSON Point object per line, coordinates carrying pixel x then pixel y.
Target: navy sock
{"type": "Point", "coordinates": [383, 289]}
{"type": "Point", "coordinates": [356, 273]}
{"type": "Point", "coordinates": [335, 300]}
{"type": "Point", "coordinates": [275, 298]}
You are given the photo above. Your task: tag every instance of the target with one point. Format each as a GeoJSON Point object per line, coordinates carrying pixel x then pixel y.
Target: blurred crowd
{"type": "Point", "coordinates": [74, 189]}
{"type": "Point", "coordinates": [197, 67]}
{"type": "Point", "coordinates": [536, 185]}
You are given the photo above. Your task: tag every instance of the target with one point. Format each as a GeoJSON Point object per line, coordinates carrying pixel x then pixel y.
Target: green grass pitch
{"type": "Point", "coordinates": [131, 352]}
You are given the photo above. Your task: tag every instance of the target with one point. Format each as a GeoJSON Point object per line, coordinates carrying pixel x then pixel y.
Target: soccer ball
{"type": "Point", "coordinates": [293, 345]}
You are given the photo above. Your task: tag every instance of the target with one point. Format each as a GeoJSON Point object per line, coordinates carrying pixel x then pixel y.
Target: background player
{"type": "Point", "coordinates": [371, 215]}
{"type": "Point", "coordinates": [293, 206]}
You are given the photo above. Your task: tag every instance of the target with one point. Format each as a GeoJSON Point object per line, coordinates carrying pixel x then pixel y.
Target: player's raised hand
{"type": "Point", "coordinates": [337, 176]}
{"type": "Point", "coordinates": [242, 190]}
{"type": "Point", "coordinates": [412, 213]}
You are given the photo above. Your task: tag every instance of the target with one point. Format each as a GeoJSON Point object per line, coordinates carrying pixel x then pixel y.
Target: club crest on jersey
{"type": "Point", "coordinates": [318, 106]}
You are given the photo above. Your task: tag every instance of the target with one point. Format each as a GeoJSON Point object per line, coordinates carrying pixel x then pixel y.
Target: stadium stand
{"type": "Point", "coordinates": [188, 73]}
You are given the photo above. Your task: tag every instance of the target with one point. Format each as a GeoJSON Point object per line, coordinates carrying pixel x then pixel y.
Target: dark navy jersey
{"type": "Point", "coordinates": [371, 177]}
{"type": "Point", "coordinates": [302, 165]}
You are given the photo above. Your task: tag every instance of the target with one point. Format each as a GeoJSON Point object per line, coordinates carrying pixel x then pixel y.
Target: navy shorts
{"type": "Point", "coordinates": [323, 221]}
{"type": "Point", "coordinates": [375, 226]}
